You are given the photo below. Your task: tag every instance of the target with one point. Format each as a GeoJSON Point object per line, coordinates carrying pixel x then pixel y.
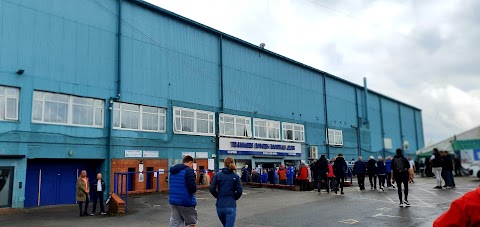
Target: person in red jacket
{"type": "Point", "coordinates": [464, 211]}
{"type": "Point", "coordinates": [330, 177]}
{"type": "Point", "coordinates": [302, 176]}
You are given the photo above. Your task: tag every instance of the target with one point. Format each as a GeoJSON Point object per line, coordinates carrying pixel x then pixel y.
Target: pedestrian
{"type": "Point", "coordinates": [227, 188]}
{"type": "Point", "coordinates": [400, 167]}
{"type": "Point", "coordinates": [182, 199]}
{"type": "Point", "coordinates": [330, 177]}
{"type": "Point", "coordinates": [412, 169]}
{"type": "Point", "coordinates": [83, 192]}
{"type": "Point", "coordinates": [210, 174]}
{"type": "Point", "coordinates": [99, 186]}
{"type": "Point", "coordinates": [372, 172]}
{"type": "Point", "coordinates": [276, 176]}
{"type": "Point", "coordinates": [381, 172]}
{"type": "Point", "coordinates": [264, 176]}
{"type": "Point", "coordinates": [290, 175]}
{"type": "Point", "coordinates": [256, 177]}
{"type": "Point", "coordinates": [245, 174]}
{"type": "Point", "coordinates": [282, 175]}
{"type": "Point", "coordinates": [359, 169]}
{"type": "Point", "coordinates": [388, 171]}
{"type": "Point", "coordinates": [458, 166]}
{"type": "Point", "coordinates": [314, 173]}
{"type": "Point", "coordinates": [447, 170]}
{"type": "Point", "coordinates": [436, 161]}
{"type": "Point", "coordinates": [339, 167]}
{"type": "Point", "coordinates": [321, 167]}
{"type": "Point", "coordinates": [302, 176]}
{"type": "Point", "coordinates": [464, 211]}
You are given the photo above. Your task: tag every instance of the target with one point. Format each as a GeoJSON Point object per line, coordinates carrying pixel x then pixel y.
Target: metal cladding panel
{"type": "Point", "coordinates": [408, 128]}
{"type": "Point", "coordinates": [61, 42]}
{"type": "Point", "coordinates": [375, 123]}
{"type": "Point", "coordinates": [341, 104]}
{"type": "Point", "coordinates": [419, 121]}
{"type": "Point", "coordinates": [255, 82]}
{"type": "Point", "coordinates": [391, 123]}
{"type": "Point", "coordinates": [168, 59]}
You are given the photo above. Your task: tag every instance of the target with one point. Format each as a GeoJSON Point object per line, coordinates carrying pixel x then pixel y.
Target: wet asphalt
{"type": "Point", "coordinates": [272, 207]}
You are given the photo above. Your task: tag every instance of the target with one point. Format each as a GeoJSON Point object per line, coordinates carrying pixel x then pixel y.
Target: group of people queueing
{"type": "Point", "coordinates": [398, 170]}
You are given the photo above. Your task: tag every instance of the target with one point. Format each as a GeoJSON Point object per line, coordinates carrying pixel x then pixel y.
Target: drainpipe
{"type": "Point", "coordinates": [359, 142]}
{"type": "Point", "coordinates": [221, 102]}
{"type": "Point", "coordinates": [381, 124]}
{"type": "Point", "coordinates": [325, 113]}
{"type": "Point", "coordinates": [118, 93]}
{"type": "Point", "coordinates": [416, 132]}
{"type": "Point", "coordinates": [366, 100]}
{"type": "Point", "coordinates": [401, 127]}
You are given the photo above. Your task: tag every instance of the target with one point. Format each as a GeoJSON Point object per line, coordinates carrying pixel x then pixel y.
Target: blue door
{"type": "Point", "coordinates": [57, 180]}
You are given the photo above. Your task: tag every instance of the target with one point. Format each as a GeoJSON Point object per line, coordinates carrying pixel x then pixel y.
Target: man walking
{"type": "Point", "coordinates": [321, 167]}
{"type": "Point", "coordinates": [182, 199]}
{"type": "Point", "coordinates": [359, 170]}
{"type": "Point", "coordinates": [388, 169]}
{"type": "Point", "coordinates": [400, 167]}
{"type": "Point", "coordinates": [412, 169]}
{"type": "Point", "coordinates": [339, 167]}
{"type": "Point", "coordinates": [447, 170]}
{"type": "Point", "coordinates": [436, 161]}
{"type": "Point", "coordinates": [99, 186]}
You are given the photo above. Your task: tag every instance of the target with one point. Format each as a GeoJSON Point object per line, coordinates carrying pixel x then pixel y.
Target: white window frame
{"type": "Point", "coordinates": [235, 118]}
{"type": "Point", "coordinates": [140, 118]}
{"type": "Point", "coordinates": [6, 96]}
{"type": "Point", "coordinates": [268, 123]}
{"type": "Point", "coordinates": [333, 136]}
{"type": "Point", "coordinates": [211, 119]}
{"type": "Point", "coordinates": [294, 132]}
{"type": "Point", "coordinates": [69, 110]}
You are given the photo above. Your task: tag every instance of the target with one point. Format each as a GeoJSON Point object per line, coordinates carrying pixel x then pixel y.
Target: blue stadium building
{"type": "Point", "coordinates": [122, 85]}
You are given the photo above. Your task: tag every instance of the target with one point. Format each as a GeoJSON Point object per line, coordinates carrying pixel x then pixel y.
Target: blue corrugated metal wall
{"type": "Point", "coordinates": [70, 47]}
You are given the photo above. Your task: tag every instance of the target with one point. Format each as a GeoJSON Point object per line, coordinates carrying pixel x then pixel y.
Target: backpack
{"type": "Point", "coordinates": [399, 165]}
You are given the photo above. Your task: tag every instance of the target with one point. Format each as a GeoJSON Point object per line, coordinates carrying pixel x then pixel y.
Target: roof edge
{"type": "Point", "coordinates": [173, 15]}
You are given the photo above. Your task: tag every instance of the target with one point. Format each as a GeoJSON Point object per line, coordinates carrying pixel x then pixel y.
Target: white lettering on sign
{"type": "Point", "coordinates": [201, 155]}
{"type": "Point", "coordinates": [133, 153]}
{"type": "Point", "coordinates": [150, 154]}
{"type": "Point", "coordinates": [191, 154]}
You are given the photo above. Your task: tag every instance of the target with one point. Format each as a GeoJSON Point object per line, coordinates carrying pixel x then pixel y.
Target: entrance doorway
{"type": "Point", "coordinates": [6, 186]}
{"type": "Point", "coordinates": [131, 179]}
{"type": "Point", "coordinates": [149, 178]}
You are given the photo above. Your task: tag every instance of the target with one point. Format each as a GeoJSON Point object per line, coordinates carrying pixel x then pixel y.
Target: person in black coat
{"type": "Point", "coordinates": [372, 172]}
{"type": "Point", "coordinates": [359, 170]}
{"type": "Point", "coordinates": [381, 172]}
{"type": "Point", "coordinates": [321, 167]}
{"type": "Point", "coordinates": [447, 169]}
{"type": "Point", "coordinates": [339, 167]}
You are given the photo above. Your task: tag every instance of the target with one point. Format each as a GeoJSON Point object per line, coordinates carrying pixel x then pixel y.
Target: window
{"type": "Point", "coordinates": [137, 117]}
{"type": "Point", "coordinates": [63, 109]}
{"type": "Point", "coordinates": [265, 129]}
{"type": "Point", "coordinates": [293, 132]}
{"type": "Point", "coordinates": [196, 122]}
{"type": "Point", "coordinates": [238, 126]}
{"type": "Point", "coordinates": [9, 103]}
{"type": "Point", "coordinates": [335, 137]}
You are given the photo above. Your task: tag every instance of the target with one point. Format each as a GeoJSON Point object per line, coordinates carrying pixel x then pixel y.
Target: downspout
{"type": "Point", "coordinates": [113, 99]}
{"type": "Point", "coordinates": [325, 113]}
{"type": "Point", "coordinates": [359, 142]}
{"type": "Point", "coordinates": [221, 102]}
{"type": "Point", "coordinates": [416, 132]}
{"type": "Point", "coordinates": [381, 124]}
{"type": "Point", "coordinates": [366, 100]}
{"type": "Point", "coordinates": [401, 128]}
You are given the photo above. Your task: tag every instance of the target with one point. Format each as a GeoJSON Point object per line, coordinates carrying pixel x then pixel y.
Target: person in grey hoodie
{"type": "Point", "coordinates": [227, 188]}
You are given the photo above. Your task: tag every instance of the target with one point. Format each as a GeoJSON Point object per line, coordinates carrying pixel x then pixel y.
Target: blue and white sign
{"type": "Point", "coordinates": [233, 146]}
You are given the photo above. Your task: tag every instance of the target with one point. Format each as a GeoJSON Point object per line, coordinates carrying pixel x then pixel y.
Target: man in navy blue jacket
{"type": "Point", "coordinates": [359, 169]}
{"type": "Point", "coordinates": [182, 198]}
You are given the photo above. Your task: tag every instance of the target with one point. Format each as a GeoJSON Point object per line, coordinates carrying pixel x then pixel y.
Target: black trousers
{"type": "Point", "coordinates": [389, 179]}
{"type": "Point", "coordinates": [381, 180]}
{"type": "Point", "coordinates": [303, 185]}
{"type": "Point", "coordinates": [80, 204]}
{"type": "Point", "coordinates": [361, 180]}
{"type": "Point", "coordinates": [402, 178]}
{"type": "Point", "coordinates": [98, 196]}
{"type": "Point", "coordinates": [339, 181]}
{"type": "Point", "coordinates": [373, 184]}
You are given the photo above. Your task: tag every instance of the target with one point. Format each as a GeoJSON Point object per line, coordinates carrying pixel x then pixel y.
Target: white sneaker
{"type": "Point", "coordinates": [407, 204]}
{"type": "Point", "coordinates": [103, 213]}
{"type": "Point", "coordinates": [400, 205]}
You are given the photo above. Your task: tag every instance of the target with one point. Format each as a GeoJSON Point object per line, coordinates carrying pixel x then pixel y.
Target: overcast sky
{"type": "Point", "coordinates": [425, 53]}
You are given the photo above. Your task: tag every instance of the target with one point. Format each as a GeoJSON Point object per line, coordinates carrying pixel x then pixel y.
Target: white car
{"type": "Point", "coordinates": [475, 169]}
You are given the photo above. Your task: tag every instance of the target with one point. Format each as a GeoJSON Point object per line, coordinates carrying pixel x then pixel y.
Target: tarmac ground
{"type": "Point", "coordinates": [271, 207]}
